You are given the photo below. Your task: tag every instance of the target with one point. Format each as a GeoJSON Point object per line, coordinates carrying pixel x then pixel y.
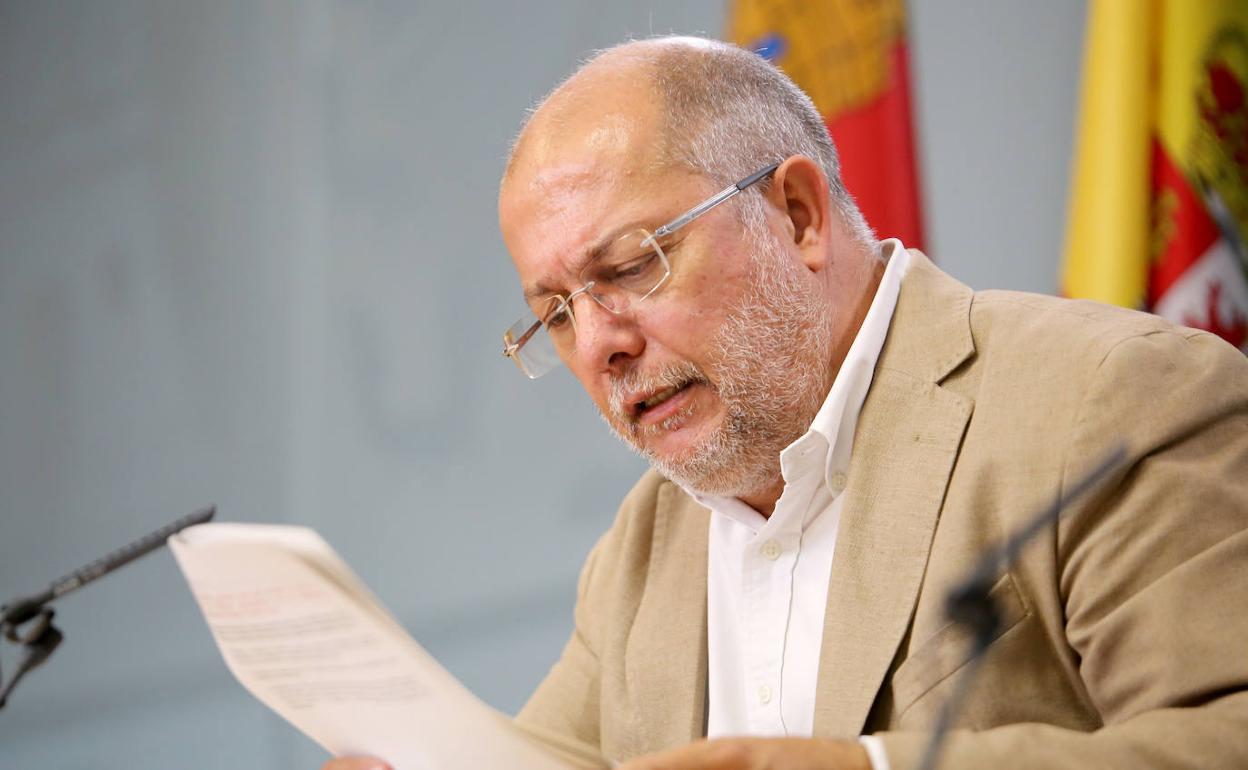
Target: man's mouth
{"type": "Point", "coordinates": [659, 397]}
{"type": "Point", "coordinates": [662, 404]}
{"type": "Point", "coordinates": [651, 399]}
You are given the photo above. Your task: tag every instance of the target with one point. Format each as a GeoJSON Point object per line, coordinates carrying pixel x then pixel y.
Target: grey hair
{"type": "Point", "coordinates": [728, 112]}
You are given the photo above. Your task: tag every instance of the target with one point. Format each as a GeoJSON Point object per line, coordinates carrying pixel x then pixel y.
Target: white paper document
{"type": "Point", "coordinates": [305, 636]}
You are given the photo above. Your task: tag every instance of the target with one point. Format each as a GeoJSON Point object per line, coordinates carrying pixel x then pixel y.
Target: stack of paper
{"type": "Point", "coordinates": [305, 636]}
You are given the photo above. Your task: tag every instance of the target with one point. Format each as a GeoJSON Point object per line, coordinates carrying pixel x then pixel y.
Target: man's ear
{"type": "Point", "coordinates": [799, 191]}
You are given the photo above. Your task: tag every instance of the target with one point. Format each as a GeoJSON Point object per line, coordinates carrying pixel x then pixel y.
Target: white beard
{"type": "Point", "coordinates": [771, 369]}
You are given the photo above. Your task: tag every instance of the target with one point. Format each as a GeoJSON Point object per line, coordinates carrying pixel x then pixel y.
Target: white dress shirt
{"type": "Point", "coordinates": [767, 581]}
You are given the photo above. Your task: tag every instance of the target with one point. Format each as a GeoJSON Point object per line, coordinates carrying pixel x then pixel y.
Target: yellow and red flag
{"type": "Point", "coordinates": [1159, 206]}
{"type": "Point", "coordinates": [851, 57]}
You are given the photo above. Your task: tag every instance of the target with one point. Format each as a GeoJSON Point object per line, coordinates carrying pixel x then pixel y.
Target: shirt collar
{"type": "Point", "coordinates": [837, 418]}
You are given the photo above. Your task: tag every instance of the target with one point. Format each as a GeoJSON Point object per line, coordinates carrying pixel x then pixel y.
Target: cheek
{"type": "Point", "coordinates": [679, 329]}
{"type": "Point", "coordinates": [695, 307]}
{"type": "Point", "coordinates": [714, 277]}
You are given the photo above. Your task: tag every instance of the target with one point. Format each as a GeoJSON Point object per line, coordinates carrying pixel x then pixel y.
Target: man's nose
{"type": "Point", "coordinates": [606, 340]}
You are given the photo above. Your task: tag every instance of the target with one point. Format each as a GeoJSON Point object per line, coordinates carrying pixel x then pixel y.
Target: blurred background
{"type": "Point", "coordinates": [249, 256]}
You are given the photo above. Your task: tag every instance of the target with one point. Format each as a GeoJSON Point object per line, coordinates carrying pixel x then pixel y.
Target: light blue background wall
{"type": "Point", "coordinates": [248, 255]}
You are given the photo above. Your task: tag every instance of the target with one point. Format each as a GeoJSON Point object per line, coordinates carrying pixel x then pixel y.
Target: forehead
{"type": "Point", "coordinates": [571, 212]}
{"type": "Point", "coordinates": [577, 182]}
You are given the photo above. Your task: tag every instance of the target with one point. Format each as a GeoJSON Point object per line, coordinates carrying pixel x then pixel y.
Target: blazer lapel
{"type": "Point", "coordinates": [666, 659]}
{"type": "Point", "coordinates": [905, 446]}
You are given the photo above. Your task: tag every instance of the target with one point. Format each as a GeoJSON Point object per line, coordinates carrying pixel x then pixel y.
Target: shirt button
{"type": "Point", "coordinates": [771, 549]}
{"type": "Point", "coordinates": [764, 694]}
{"type": "Point", "coordinates": [838, 481]}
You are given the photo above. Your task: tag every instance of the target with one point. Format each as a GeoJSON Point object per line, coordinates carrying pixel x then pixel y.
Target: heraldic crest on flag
{"type": "Point", "coordinates": [1183, 77]}
{"type": "Point", "coordinates": [851, 57]}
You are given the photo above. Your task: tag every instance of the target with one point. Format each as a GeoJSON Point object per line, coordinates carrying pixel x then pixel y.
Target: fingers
{"type": "Point", "coordinates": [355, 763]}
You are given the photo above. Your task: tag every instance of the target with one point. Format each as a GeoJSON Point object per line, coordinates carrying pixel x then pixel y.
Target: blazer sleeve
{"type": "Point", "coordinates": [563, 712]}
{"type": "Point", "coordinates": [1152, 569]}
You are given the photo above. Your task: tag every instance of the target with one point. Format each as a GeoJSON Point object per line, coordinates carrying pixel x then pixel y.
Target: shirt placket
{"type": "Point", "coordinates": [769, 561]}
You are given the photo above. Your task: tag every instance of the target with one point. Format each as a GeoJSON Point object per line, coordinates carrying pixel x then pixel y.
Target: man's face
{"type": "Point", "coordinates": [710, 377]}
{"type": "Point", "coordinates": [767, 365]}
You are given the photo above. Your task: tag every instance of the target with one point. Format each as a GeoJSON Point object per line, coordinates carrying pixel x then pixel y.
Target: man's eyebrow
{"type": "Point", "coordinates": [542, 289]}
{"type": "Point", "coordinates": [600, 247]}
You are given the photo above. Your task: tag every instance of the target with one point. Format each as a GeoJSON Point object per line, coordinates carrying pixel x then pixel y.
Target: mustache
{"type": "Point", "coordinates": [667, 376]}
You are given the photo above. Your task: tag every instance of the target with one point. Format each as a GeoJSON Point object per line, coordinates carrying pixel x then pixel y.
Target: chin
{"type": "Point", "coordinates": [714, 466]}
{"type": "Point", "coordinates": [700, 452]}
{"type": "Point", "coordinates": [715, 482]}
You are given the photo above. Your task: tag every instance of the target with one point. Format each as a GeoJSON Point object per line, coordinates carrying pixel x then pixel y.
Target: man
{"type": "Point", "coordinates": [838, 432]}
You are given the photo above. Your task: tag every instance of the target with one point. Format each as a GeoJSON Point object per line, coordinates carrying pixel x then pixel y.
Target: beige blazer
{"type": "Point", "coordinates": [1125, 641]}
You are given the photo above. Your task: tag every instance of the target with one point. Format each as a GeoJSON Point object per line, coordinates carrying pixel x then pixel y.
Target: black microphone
{"type": "Point", "coordinates": [19, 611]}
{"type": "Point", "coordinates": [970, 606]}
{"type": "Point", "coordinates": [37, 646]}
{"type": "Point", "coordinates": [42, 638]}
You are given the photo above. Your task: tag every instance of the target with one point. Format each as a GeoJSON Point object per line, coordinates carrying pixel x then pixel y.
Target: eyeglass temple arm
{"type": "Point", "coordinates": [753, 178]}
{"type": "Point", "coordinates": [714, 201]}
{"type": "Point", "coordinates": [510, 347]}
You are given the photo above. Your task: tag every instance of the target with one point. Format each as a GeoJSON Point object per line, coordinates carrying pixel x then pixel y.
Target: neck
{"type": "Point", "coordinates": [764, 501]}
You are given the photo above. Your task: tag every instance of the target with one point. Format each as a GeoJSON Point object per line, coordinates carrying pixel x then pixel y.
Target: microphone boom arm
{"type": "Point", "coordinates": [42, 638]}
{"type": "Point", "coordinates": [970, 605]}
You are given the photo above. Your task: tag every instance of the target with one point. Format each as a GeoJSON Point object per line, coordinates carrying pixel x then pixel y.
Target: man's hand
{"type": "Point", "coordinates": [756, 754]}
{"type": "Point", "coordinates": [355, 763]}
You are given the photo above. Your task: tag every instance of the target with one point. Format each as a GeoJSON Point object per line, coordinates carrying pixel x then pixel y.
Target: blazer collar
{"type": "Point", "coordinates": [666, 658]}
{"type": "Point", "coordinates": [908, 437]}
{"type": "Point", "coordinates": [931, 331]}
